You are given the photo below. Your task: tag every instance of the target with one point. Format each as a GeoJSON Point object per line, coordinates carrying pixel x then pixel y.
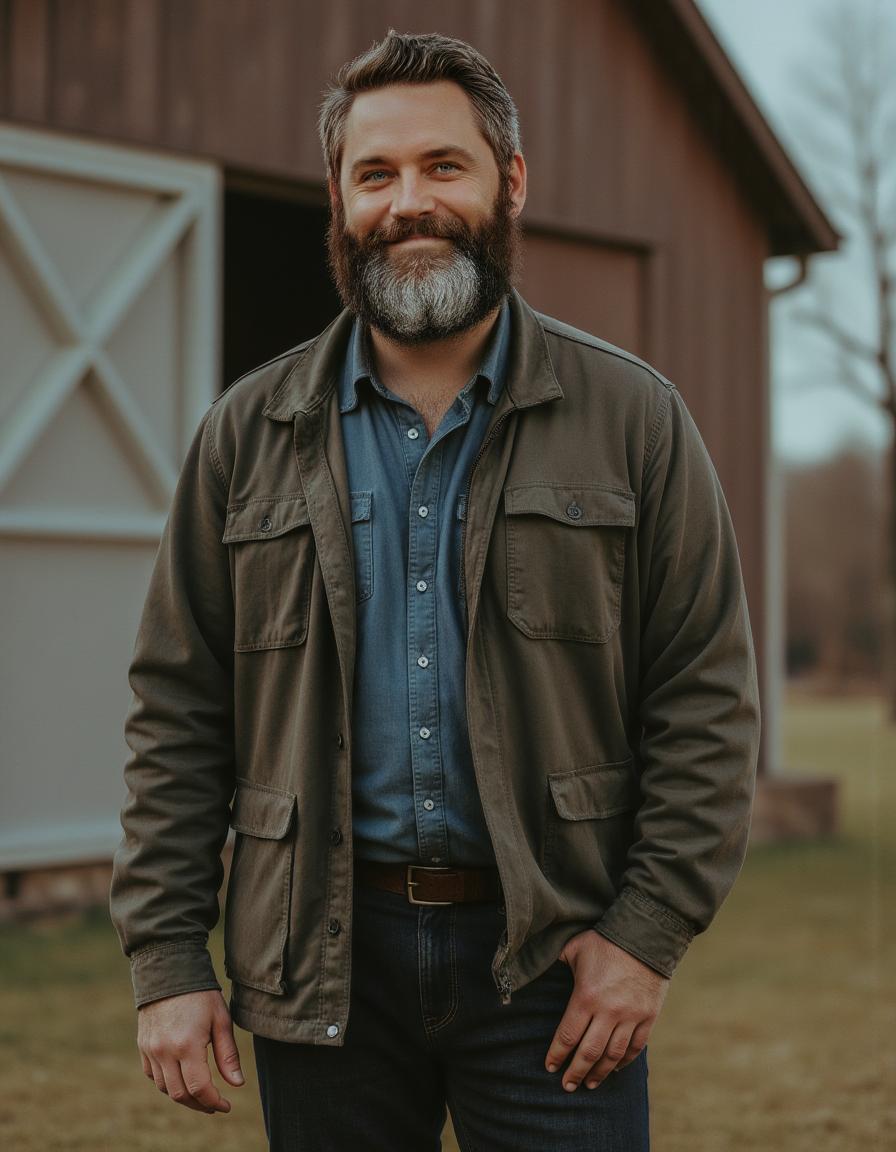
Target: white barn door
{"type": "Point", "coordinates": [109, 326]}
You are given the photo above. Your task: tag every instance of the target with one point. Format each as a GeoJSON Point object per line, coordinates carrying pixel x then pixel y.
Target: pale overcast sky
{"type": "Point", "coordinates": [765, 40]}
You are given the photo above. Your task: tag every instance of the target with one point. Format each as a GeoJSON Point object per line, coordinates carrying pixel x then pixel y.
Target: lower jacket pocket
{"type": "Point", "coordinates": [257, 908]}
{"type": "Point", "coordinates": [589, 824]}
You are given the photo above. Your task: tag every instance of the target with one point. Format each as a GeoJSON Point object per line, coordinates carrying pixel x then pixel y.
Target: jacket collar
{"type": "Point", "coordinates": [317, 371]}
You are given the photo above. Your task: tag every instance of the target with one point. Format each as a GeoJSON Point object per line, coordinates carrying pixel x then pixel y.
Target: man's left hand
{"type": "Point", "coordinates": [613, 1006]}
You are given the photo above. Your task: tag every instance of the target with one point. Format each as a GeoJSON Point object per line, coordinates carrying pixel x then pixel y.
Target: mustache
{"type": "Point", "coordinates": [443, 229]}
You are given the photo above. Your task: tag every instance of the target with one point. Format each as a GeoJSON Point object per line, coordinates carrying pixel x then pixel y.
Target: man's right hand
{"type": "Point", "coordinates": [173, 1035]}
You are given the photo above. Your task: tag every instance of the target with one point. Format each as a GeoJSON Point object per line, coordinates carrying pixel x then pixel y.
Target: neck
{"type": "Point", "coordinates": [438, 364]}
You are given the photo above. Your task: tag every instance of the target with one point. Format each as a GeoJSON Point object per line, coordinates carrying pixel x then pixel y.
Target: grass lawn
{"type": "Point", "coordinates": [778, 1032]}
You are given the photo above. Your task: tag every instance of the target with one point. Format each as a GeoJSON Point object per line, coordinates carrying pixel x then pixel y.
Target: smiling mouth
{"type": "Point", "coordinates": [412, 239]}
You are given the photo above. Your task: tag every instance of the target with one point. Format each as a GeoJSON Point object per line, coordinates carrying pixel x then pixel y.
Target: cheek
{"type": "Point", "coordinates": [364, 215]}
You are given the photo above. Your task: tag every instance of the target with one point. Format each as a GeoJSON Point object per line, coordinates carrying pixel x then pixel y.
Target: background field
{"type": "Point", "coordinates": [778, 1033]}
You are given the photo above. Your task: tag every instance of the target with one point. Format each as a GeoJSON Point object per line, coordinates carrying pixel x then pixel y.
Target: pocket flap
{"type": "Point", "coordinates": [595, 791]}
{"type": "Point", "coordinates": [360, 505]}
{"type": "Point", "coordinates": [264, 517]}
{"type": "Point", "coordinates": [259, 810]}
{"type": "Point", "coordinates": [578, 505]}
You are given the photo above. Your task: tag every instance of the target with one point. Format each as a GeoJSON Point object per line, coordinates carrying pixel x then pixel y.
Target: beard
{"type": "Point", "coordinates": [419, 296]}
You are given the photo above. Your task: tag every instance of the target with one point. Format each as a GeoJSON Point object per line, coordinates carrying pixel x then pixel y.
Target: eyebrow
{"type": "Point", "coordinates": [431, 154]}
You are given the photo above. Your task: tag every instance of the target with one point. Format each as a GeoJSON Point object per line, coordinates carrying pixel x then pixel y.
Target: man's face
{"type": "Point", "coordinates": [423, 236]}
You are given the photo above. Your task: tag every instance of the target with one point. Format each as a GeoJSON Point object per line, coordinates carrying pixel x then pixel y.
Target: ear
{"type": "Point", "coordinates": [517, 183]}
{"type": "Point", "coordinates": [333, 190]}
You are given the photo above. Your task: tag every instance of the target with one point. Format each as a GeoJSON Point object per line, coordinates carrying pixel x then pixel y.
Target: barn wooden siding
{"type": "Point", "coordinates": [619, 165]}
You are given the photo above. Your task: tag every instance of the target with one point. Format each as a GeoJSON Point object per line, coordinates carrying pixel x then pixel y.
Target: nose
{"type": "Point", "coordinates": [411, 197]}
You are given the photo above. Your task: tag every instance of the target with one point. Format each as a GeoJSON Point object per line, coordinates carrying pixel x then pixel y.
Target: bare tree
{"type": "Point", "coordinates": [847, 138]}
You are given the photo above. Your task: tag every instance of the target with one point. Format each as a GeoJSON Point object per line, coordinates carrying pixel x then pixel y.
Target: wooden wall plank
{"type": "Point", "coordinates": [26, 62]}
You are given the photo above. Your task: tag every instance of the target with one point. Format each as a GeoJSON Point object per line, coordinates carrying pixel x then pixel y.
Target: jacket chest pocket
{"type": "Point", "coordinates": [566, 546]}
{"type": "Point", "coordinates": [272, 563]}
{"type": "Point", "coordinates": [362, 542]}
{"type": "Point", "coordinates": [256, 912]}
{"type": "Point", "coordinates": [589, 825]}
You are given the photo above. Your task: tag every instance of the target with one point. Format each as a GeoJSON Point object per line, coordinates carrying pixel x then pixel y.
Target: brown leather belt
{"type": "Point", "coordinates": [426, 885]}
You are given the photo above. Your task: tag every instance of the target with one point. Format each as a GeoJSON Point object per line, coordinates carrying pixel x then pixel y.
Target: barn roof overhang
{"type": "Point", "coordinates": [684, 42]}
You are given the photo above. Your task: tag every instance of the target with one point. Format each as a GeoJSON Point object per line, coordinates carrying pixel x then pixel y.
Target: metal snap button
{"type": "Point", "coordinates": [266, 524]}
{"type": "Point", "coordinates": [334, 927]}
{"type": "Point", "coordinates": [333, 1030]}
{"type": "Point", "coordinates": [335, 835]}
{"type": "Point", "coordinates": [573, 511]}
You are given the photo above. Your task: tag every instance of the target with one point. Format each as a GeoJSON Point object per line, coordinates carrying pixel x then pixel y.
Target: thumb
{"type": "Point", "coordinates": [227, 1055]}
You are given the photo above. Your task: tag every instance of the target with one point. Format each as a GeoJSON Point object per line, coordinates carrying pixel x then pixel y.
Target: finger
{"type": "Point", "coordinates": [614, 1051]}
{"type": "Point", "coordinates": [158, 1076]}
{"type": "Point", "coordinates": [199, 1083]}
{"type": "Point", "coordinates": [224, 1047]}
{"type": "Point", "coordinates": [569, 1032]}
{"type": "Point", "coordinates": [590, 1049]}
{"type": "Point", "coordinates": [177, 1088]}
{"type": "Point", "coordinates": [636, 1046]}
{"type": "Point", "coordinates": [147, 1067]}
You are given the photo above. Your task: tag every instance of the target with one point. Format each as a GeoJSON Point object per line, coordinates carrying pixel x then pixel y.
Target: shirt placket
{"type": "Point", "coordinates": [424, 458]}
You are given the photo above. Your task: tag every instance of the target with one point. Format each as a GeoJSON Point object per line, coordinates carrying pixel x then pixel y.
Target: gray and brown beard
{"type": "Point", "coordinates": [418, 297]}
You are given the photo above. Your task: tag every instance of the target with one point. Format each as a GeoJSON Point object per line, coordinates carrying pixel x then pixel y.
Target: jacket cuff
{"type": "Point", "coordinates": [650, 931]}
{"type": "Point", "coordinates": [161, 970]}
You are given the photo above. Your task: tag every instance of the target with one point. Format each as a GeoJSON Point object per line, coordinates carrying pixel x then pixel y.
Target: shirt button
{"type": "Point", "coordinates": [334, 927]}
{"type": "Point", "coordinates": [425, 733]}
{"type": "Point", "coordinates": [335, 835]}
{"type": "Point", "coordinates": [413, 433]}
{"type": "Point", "coordinates": [333, 1030]}
{"type": "Point", "coordinates": [573, 511]}
{"type": "Point", "coordinates": [423, 511]}
{"type": "Point", "coordinates": [266, 525]}
{"type": "Point", "coordinates": [421, 585]}
{"type": "Point", "coordinates": [428, 804]}
{"type": "Point", "coordinates": [422, 661]}
{"type": "Point", "coordinates": [339, 740]}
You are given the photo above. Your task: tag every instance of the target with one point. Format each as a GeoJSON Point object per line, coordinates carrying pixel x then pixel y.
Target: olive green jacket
{"type": "Point", "coordinates": [611, 685]}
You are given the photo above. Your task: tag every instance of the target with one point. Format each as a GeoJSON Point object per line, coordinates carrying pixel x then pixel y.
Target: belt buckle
{"type": "Point", "coordinates": [413, 883]}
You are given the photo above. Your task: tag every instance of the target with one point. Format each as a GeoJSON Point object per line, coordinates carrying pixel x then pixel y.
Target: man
{"type": "Point", "coordinates": [448, 623]}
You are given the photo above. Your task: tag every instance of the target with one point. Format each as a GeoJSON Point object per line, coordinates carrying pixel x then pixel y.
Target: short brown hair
{"type": "Point", "coordinates": [403, 58]}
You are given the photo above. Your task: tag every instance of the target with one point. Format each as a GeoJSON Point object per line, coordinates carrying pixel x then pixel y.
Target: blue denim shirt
{"type": "Point", "coordinates": [414, 791]}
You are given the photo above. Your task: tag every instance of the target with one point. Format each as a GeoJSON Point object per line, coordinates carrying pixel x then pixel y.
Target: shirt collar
{"type": "Point", "coordinates": [493, 367]}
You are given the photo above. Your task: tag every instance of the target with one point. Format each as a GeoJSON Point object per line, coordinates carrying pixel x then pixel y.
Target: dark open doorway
{"type": "Point", "coordinates": [277, 289]}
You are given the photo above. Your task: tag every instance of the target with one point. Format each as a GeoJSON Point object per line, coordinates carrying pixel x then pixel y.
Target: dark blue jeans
{"type": "Point", "coordinates": [427, 1027]}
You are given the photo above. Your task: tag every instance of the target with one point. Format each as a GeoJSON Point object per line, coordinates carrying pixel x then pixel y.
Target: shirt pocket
{"type": "Point", "coordinates": [259, 890]}
{"type": "Point", "coordinates": [589, 826]}
{"type": "Point", "coordinates": [460, 516]}
{"type": "Point", "coordinates": [362, 541]}
{"type": "Point", "coordinates": [272, 557]}
{"type": "Point", "coordinates": [566, 546]}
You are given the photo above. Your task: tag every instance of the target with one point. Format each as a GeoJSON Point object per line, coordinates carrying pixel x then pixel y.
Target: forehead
{"type": "Point", "coordinates": [411, 116]}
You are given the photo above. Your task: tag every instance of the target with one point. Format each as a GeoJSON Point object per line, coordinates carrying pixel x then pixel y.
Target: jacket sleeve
{"type": "Point", "coordinates": [167, 869]}
{"type": "Point", "coordinates": [698, 703]}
